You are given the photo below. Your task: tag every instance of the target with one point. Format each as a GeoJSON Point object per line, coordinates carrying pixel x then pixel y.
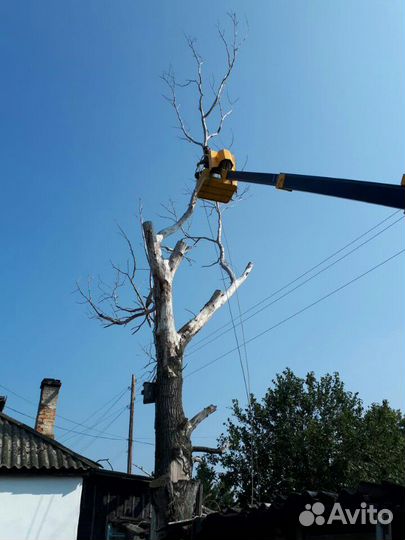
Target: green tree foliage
{"type": "Point", "coordinates": [304, 434]}
{"type": "Point", "coordinates": [215, 490]}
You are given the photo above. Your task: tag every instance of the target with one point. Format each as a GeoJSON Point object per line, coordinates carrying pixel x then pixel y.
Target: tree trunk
{"type": "Point", "coordinates": [174, 493]}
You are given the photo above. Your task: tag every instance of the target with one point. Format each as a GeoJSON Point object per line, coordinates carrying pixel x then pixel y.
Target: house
{"type": "Point", "coordinates": [49, 492]}
{"type": "Point", "coordinates": [114, 506]}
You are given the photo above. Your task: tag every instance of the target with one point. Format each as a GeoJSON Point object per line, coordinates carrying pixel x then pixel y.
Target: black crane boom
{"type": "Point", "coordinates": [391, 195]}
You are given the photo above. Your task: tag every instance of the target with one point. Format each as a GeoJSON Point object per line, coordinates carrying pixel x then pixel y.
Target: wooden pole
{"type": "Point", "coordinates": [131, 425]}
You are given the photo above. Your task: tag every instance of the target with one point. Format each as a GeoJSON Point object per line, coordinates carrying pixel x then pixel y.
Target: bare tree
{"type": "Point", "coordinates": [174, 491]}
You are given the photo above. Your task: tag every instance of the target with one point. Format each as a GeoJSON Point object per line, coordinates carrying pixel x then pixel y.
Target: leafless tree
{"type": "Point", "coordinates": [174, 491]}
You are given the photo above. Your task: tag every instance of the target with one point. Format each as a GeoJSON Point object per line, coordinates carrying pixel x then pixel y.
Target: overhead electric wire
{"type": "Point", "coordinates": [85, 447]}
{"type": "Point", "coordinates": [115, 438]}
{"type": "Point", "coordinates": [246, 377]}
{"type": "Point", "coordinates": [68, 430]}
{"type": "Point", "coordinates": [103, 434]}
{"type": "Point", "coordinates": [230, 310]}
{"type": "Point", "coordinates": [241, 321]}
{"type": "Point", "coordinates": [114, 401]}
{"type": "Point", "coordinates": [249, 401]}
{"type": "Point", "coordinates": [205, 338]}
{"type": "Point", "coordinates": [287, 293]}
{"type": "Point", "coordinates": [64, 429]}
{"type": "Point", "coordinates": [295, 314]}
{"type": "Point", "coordinates": [99, 422]}
{"type": "Point", "coordinates": [17, 395]}
{"type": "Point", "coordinates": [88, 427]}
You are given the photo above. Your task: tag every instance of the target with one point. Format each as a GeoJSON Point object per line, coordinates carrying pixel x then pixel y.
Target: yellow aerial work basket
{"type": "Point", "coordinates": [212, 183]}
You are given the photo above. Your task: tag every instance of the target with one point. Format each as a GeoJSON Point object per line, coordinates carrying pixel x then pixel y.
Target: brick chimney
{"type": "Point", "coordinates": [45, 422]}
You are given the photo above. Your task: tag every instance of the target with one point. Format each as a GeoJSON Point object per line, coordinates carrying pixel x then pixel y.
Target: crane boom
{"type": "Point", "coordinates": [371, 192]}
{"type": "Point", "coordinates": [218, 179]}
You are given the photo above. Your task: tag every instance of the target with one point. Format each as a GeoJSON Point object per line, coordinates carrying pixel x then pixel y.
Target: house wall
{"type": "Point", "coordinates": [39, 507]}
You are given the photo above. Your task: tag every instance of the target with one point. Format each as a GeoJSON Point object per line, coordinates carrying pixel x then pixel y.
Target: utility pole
{"type": "Point", "coordinates": [131, 424]}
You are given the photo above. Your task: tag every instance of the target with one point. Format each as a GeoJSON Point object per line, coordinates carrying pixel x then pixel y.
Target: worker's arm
{"type": "Point", "coordinates": [371, 192]}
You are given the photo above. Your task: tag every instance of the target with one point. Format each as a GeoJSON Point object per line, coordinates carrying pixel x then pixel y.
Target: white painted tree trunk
{"type": "Point", "coordinates": [173, 490]}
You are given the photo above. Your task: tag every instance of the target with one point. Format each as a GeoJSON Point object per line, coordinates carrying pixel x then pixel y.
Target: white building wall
{"type": "Point", "coordinates": [39, 507]}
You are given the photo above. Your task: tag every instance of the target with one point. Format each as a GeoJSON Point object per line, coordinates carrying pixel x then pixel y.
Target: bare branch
{"type": "Point", "coordinates": [145, 472]}
{"type": "Point", "coordinates": [231, 53]}
{"type": "Point", "coordinates": [209, 450]}
{"type": "Point", "coordinates": [222, 260]}
{"type": "Point", "coordinates": [217, 300]}
{"type": "Point", "coordinates": [169, 79]}
{"type": "Point", "coordinates": [108, 308]}
{"type": "Point", "coordinates": [114, 320]}
{"type": "Point", "coordinates": [221, 123]}
{"type": "Point", "coordinates": [199, 81]}
{"type": "Point", "coordinates": [218, 243]}
{"type": "Point", "coordinates": [164, 233]}
{"type": "Point", "coordinates": [131, 250]}
{"type": "Point", "coordinates": [177, 256]}
{"type": "Point", "coordinates": [154, 249]}
{"type": "Point", "coordinates": [199, 417]}
{"type": "Point", "coordinates": [231, 46]}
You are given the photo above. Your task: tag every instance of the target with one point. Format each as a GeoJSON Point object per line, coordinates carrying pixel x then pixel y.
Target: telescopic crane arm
{"type": "Point", "coordinates": [357, 190]}
{"type": "Point", "coordinates": [218, 182]}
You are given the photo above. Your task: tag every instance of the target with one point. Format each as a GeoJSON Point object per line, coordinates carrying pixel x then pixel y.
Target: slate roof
{"type": "Point", "coordinates": [21, 447]}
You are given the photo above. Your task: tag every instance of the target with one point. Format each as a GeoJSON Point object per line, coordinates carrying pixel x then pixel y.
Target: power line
{"type": "Point", "coordinates": [65, 429]}
{"type": "Point", "coordinates": [249, 402]}
{"type": "Point", "coordinates": [59, 415]}
{"type": "Point", "coordinates": [117, 438]}
{"type": "Point", "coordinates": [102, 434]}
{"type": "Point", "coordinates": [83, 425]}
{"type": "Point", "coordinates": [99, 422]}
{"type": "Point", "coordinates": [114, 399]}
{"type": "Point", "coordinates": [283, 321]}
{"type": "Point", "coordinates": [229, 306]}
{"type": "Point", "coordinates": [300, 276]}
{"type": "Point", "coordinates": [287, 293]}
{"type": "Point", "coordinates": [246, 377]}
{"type": "Point", "coordinates": [17, 395]}
{"type": "Point", "coordinates": [85, 447]}
{"type": "Point", "coordinates": [144, 442]}
{"type": "Point", "coordinates": [241, 322]}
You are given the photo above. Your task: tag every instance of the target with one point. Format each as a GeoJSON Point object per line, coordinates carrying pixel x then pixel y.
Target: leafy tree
{"type": "Point", "coordinates": [384, 443]}
{"type": "Point", "coordinates": [216, 493]}
{"type": "Point", "coordinates": [306, 434]}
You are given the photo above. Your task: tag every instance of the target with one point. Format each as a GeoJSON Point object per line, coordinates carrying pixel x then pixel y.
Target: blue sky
{"type": "Point", "coordinates": [86, 134]}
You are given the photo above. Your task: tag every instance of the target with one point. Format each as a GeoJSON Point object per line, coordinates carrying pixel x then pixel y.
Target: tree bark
{"type": "Point", "coordinates": [173, 492]}
{"type": "Point", "coordinates": [173, 489]}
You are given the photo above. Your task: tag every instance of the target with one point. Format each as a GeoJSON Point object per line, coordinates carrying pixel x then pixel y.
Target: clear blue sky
{"type": "Point", "coordinates": [85, 134]}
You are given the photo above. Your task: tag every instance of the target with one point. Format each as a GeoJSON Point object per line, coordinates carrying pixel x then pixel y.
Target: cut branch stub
{"type": "Point", "coordinates": [154, 250]}
{"type": "Point", "coordinates": [177, 256]}
{"type": "Point", "coordinates": [208, 450]}
{"type": "Point", "coordinates": [199, 417]}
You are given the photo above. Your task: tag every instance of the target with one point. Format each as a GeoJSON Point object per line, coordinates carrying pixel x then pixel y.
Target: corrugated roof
{"type": "Point", "coordinates": [280, 519]}
{"type": "Point", "coordinates": [21, 447]}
